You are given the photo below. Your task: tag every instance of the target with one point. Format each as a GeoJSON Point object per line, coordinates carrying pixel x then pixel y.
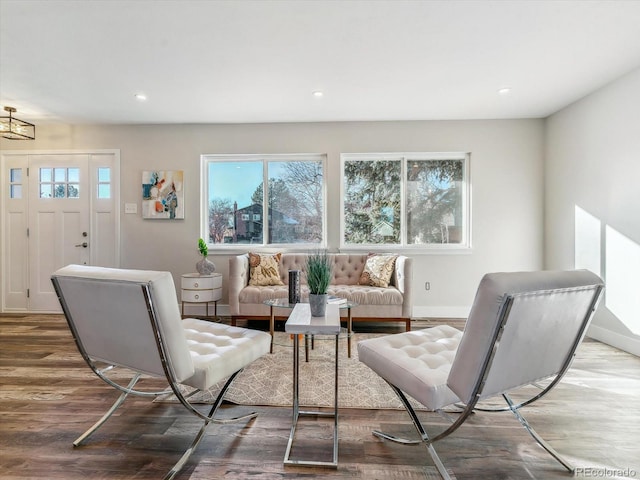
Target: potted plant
{"type": "Point", "coordinates": [318, 269]}
{"type": "Point", "coordinates": [204, 266]}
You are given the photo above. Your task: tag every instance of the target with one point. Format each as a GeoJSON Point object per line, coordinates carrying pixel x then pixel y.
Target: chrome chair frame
{"type": "Point", "coordinates": [174, 386]}
{"type": "Point", "coordinates": [472, 405]}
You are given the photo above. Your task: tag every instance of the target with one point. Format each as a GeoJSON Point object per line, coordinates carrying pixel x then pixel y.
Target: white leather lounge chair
{"type": "Point", "coordinates": [131, 319]}
{"type": "Point", "coordinates": [523, 328]}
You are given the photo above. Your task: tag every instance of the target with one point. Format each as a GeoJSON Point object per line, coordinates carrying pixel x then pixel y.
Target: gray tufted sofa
{"type": "Point", "coordinates": [375, 304]}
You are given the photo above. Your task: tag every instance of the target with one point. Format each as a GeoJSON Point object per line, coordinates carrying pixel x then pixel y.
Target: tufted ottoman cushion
{"type": "Point", "coordinates": [207, 341]}
{"type": "Point", "coordinates": [393, 358]}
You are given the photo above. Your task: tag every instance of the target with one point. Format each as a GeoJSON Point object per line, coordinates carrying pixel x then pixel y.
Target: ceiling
{"type": "Point", "coordinates": [207, 61]}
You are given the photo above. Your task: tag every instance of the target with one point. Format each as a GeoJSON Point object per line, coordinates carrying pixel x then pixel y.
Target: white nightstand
{"type": "Point", "coordinates": [205, 289]}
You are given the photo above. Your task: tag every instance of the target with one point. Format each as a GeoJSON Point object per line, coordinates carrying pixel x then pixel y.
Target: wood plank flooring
{"type": "Point", "coordinates": [48, 397]}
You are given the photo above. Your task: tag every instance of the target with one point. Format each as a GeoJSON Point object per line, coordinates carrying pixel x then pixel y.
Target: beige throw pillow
{"type": "Point", "coordinates": [264, 269]}
{"type": "Point", "coordinates": [378, 270]}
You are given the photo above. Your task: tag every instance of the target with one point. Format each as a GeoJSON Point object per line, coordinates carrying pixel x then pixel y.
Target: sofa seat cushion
{"type": "Point", "coordinates": [366, 295]}
{"type": "Point", "coordinates": [360, 294]}
{"type": "Point", "coordinates": [208, 340]}
{"type": "Point", "coordinates": [253, 294]}
{"type": "Point", "coordinates": [393, 357]}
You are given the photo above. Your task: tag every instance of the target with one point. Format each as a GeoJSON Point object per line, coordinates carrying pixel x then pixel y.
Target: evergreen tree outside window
{"type": "Point", "coordinates": [372, 202]}
{"type": "Point", "coordinates": [405, 200]}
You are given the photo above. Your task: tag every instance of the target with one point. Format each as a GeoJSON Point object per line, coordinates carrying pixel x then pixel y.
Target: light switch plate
{"type": "Point", "coordinates": [130, 208]}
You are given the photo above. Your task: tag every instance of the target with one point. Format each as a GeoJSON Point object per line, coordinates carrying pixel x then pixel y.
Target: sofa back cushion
{"type": "Point", "coordinates": [347, 268]}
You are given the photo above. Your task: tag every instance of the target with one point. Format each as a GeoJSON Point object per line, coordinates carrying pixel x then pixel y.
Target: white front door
{"type": "Point", "coordinates": [58, 222]}
{"type": "Point", "coordinates": [72, 217]}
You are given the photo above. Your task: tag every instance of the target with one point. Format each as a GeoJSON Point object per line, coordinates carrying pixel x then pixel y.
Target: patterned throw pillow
{"type": "Point", "coordinates": [264, 269]}
{"type": "Point", "coordinates": [378, 270]}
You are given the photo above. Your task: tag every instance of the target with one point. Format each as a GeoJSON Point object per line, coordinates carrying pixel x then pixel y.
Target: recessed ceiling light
{"type": "Point", "coordinates": [140, 96]}
{"type": "Point", "coordinates": [504, 91]}
{"type": "Point", "coordinates": [318, 93]}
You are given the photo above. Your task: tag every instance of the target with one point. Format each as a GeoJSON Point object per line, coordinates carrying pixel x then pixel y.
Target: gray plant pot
{"type": "Point", "coordinates": [318, 304]}
{"type": "Point", "coordinates": [205, 266]}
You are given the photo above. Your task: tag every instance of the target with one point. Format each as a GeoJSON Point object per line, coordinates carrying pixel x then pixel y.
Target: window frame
{"type": "Point", "coordinates": [208, 158]}
{"type": "Point", "coordinates": [405, 158]}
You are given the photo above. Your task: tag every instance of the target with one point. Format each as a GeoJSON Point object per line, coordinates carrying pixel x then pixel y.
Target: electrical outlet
{"type": "Point", "coordinates": [427, 285]}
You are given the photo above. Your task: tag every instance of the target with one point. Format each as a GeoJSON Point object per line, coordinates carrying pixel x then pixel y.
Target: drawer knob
{"type": "Point", "coordinates": [196, 284]}
{"type": "Point", "coordinates": [197, 296]}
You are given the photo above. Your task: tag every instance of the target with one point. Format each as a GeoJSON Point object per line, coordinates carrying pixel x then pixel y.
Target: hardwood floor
{"type": "Point", "coordinates": [49, 397]}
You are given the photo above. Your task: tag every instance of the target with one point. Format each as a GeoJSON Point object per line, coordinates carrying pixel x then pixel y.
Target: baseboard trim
{"type": "Point", "coordinates": [615, 339]}
{"type": "Point", "coordinates": [440, 312]}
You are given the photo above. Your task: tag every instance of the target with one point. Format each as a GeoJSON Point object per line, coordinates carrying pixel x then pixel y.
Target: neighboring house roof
{"type": "Point", "coordinates": [383, 228]}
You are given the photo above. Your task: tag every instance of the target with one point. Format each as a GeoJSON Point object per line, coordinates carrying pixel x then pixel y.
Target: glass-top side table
{"type": "Point", "coordinates": [300, 322]}
{"type": "Point", "coordinates": [274, 303]}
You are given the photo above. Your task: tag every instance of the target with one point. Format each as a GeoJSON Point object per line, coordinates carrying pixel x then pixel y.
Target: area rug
{"type": "Point", "coordinates": [268, 380]}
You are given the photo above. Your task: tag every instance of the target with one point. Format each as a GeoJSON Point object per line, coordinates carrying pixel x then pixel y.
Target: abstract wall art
{"type": "Point", "coordinates": [163, 194]}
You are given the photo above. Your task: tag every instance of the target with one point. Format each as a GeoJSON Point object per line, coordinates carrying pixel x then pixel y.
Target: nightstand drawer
{"type": "Point", "coordinates": [198, 282]}
{"type": "Point", "coordinates": [197, 296]}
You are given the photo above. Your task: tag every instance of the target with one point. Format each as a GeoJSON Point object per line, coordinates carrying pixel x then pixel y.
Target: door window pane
{"type": "Point", "coordinates": [73, 175]}
{"type": "Point", "coordinates": [73, 190]}
{"type": "Point", "coordinates": [15, 182]}
{"type": "Point", "coordinates": [59, 190]}
{"type": "Point", "coordinates": [46, 190]}
{"type": "Point", "coordinates": [59, 174]}
{"type": "Point", "coordinates": [104, 190]}
{"type": "Point", "coordinates": [16, 175]}
{"type": "Point", "coordinates": [104, 182]}
{"type": "Point", "coordinates": [104, 174]}
{"type": "Point", "coordinates": [45, 174]}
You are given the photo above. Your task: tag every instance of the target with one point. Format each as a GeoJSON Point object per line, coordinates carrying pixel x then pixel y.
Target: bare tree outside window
{"type": "Point", "coordinates": [220, 219]}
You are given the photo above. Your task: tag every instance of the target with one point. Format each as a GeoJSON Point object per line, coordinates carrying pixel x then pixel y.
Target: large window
{"type": "Point", "coordinates": [405, 200]}
{"type": "Point", "coordinates": [237, 206]}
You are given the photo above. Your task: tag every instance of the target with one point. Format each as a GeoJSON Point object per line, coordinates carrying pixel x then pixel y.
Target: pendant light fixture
{"type": "Point", "coordinates": [16, 129]}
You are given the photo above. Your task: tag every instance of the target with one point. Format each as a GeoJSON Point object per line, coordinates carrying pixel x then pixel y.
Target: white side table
{"type": "Point", "coordinates": [205, 289]}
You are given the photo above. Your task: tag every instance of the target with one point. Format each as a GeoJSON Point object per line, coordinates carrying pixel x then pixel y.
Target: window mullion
{"type": "Point", "coordinates": [403, 201]}
{"type": "Point", "coordinates": [266, 234]}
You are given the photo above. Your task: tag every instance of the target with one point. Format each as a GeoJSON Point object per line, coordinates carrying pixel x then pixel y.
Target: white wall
{"type": "Point", "coordinates": [593, 163]}
{"type": "Point", "coordinates": [506, 175]}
